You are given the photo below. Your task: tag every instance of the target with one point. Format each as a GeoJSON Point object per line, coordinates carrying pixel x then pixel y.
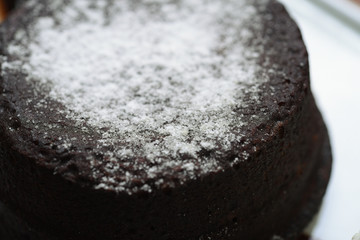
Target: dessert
{"type": "Point", "coordinates": [158, 120]}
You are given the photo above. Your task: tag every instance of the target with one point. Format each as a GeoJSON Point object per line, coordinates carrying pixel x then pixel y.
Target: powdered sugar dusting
{"type": "Point", "coordinates": [158, 79]}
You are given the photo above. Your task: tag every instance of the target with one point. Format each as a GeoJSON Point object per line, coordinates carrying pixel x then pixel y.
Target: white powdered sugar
{"type": "Point", "coordinates": [158, 79]}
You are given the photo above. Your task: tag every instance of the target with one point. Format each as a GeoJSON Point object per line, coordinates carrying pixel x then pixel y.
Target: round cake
{"type": "Point", "coordinates": [157, 119]}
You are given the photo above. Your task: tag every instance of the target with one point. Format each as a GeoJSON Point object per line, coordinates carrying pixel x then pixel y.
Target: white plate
{"type": "Point", "coordinates": [342, 8]}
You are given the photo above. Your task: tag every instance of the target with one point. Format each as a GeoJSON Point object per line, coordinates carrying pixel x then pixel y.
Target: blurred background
{"type": "Point", "coordinates": [331, 31]}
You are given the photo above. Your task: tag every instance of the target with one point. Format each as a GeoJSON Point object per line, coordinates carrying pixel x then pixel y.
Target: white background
{"type": "Point", "coordinates": [332, 34]}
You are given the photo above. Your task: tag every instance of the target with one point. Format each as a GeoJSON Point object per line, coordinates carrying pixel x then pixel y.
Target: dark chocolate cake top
{"type": "Point", "coordinates": [137, 95]}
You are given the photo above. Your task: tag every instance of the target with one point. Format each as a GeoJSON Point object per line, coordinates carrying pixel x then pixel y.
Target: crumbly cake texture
{"type": "Point", "coordinates": [158, 83]}
{"type": "Point", "coordinates": [64, 171]}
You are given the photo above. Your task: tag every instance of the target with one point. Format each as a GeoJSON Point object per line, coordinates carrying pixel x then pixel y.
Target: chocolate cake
{"type": "Point", "coordinates": [164, 120]}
